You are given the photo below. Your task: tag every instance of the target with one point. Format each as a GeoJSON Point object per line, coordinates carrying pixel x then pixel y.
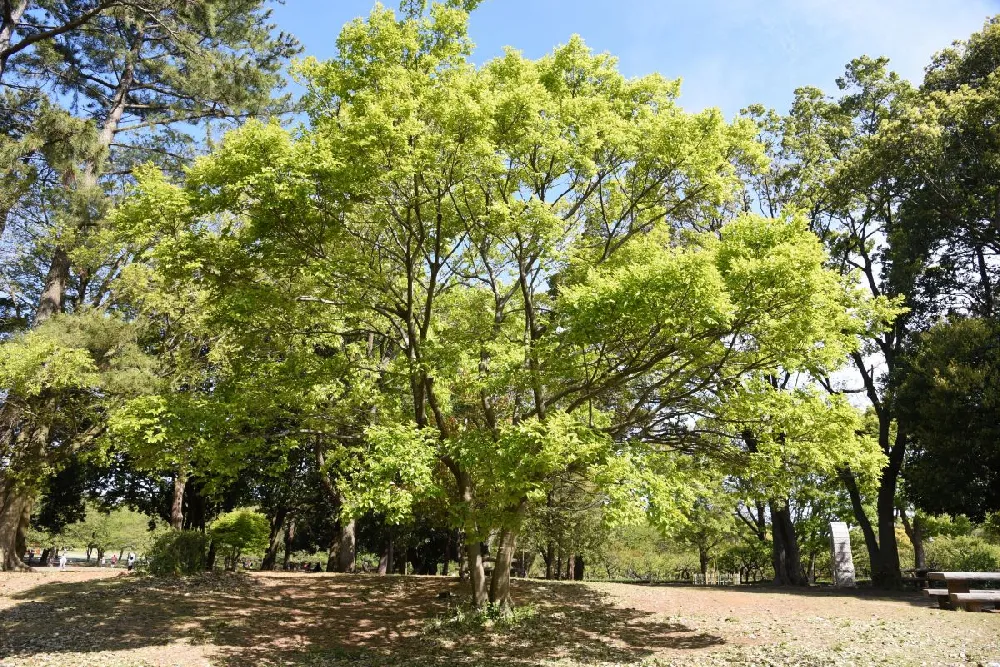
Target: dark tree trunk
{"type": "Point", "coordinates": [289, 539]}
{"type": "Point", "coordinates": [703, 562]}
{"type": "Point", "coordinates": [871, 540]}
{"type": "Point", "coordinates": [194, 506]}
{"type": "Point", "coordinates": [785, 548]}
{"type": "Point", "coordinates": [887, 574]}
{"type": "Point", "coordinates": [274, 539]}
{"type": "Point", "coordinates": [559, 564]}
{"type": "Point", "coordinates": [210, 559]}
{"type": "Point", "coordinates": [331, 552]}
{"type": "Point", "coordinates": [550, 556]}
{"type": "Point", "coordinates": [919, 560]}
{"type": "Point", "coordinates": [578, 568]}
{"type": "Point", "coordinates": [385, 563]}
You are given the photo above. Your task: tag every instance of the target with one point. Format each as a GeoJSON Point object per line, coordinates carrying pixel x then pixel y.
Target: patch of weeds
{"type": "Point", "coordinates": [462, 620]}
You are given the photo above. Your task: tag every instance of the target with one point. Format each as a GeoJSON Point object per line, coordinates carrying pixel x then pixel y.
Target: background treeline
{"type": "Point", "coordinates": [527, 317]}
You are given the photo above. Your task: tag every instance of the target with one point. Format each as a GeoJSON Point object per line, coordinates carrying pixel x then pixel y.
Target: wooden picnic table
{"type": "Point", "coordinates": [959, 593]}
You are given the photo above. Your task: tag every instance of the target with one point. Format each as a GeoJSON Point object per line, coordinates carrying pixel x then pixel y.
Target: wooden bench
{"type": "Point", "coordinates": [944, 599]}
{"type": "Point", "coordinates": [959, 595]}
{"type": "Point", "coordinates": [976, 600]}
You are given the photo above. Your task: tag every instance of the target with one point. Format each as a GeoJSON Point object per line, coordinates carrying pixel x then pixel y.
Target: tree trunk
{"type": "Point", "coordinates": [274, 539]}
{"type": "Point", "coordinates": [210, 559]}
{"type": "Point", "coordinates": [177, 506]}
{"type": "Point", "coordinates": [919, 560]}
{"type": "Point", "coordinates": [477, 575]}
{"type": "Point", "coordinates": [500, 581]}
{"type": "Point", "coordinates": [550, 556]}
{"type": "Point", "coordinates": [785, 548]}
{"type": "Point", "coordinates": [703, 562]}
{"type": "Point", "coordinates": [559, 564]}
{"type": "Point", "coordinates": [332, 551]}
{"type": "Point", "coordinates": [289, 538]}
{"type": "Point", "coordinates": [17, 502]}
{"type": "Point", "coordinates": [578, 568]}
{"type": "Point", "coordinates": [345, 556]}
{"type": "Point", "coordinates": [886, 572]}
{"type": "Point", "coordinates": [385, 563]}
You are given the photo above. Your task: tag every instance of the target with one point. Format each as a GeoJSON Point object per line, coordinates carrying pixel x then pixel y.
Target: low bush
{"type": "Point", "coordinates": [962, 554]}
{"type": "Point", "coordinates": [178, 553]}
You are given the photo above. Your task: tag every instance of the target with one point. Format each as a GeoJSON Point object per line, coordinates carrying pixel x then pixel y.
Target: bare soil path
{"type": "Point", "coordinates": [105, 618]}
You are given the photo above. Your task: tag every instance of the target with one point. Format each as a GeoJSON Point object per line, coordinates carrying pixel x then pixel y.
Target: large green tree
{"type": "Point", "coordinates": [95, 88]}
{"type": "Point", "coordinates": [534, 262]}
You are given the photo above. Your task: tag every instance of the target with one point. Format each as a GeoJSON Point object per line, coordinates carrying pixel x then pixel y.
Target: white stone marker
{"type": "Point", "coordinates": [841, 559]}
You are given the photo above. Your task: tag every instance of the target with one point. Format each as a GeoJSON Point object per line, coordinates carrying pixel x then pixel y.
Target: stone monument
{"type": "Point", "coordinates": [841, 559]}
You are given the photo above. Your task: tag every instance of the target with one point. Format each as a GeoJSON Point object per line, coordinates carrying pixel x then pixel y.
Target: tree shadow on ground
{"type": "Point", "coordinates": [303, 619]}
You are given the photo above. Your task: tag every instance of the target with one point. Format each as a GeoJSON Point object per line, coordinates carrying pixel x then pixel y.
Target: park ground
{"type": "Point", "coordinates": [89, 616]}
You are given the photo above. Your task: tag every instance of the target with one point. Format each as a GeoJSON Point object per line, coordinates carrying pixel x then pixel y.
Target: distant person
{"type": "Point", "coordinates": [62, 561]}
{"type": "Point", "coordinates": [100, 561]}
{"type": "Point", "coordinates": [130, 561]}
{"type": "Point", "coordinates": [114, 560]}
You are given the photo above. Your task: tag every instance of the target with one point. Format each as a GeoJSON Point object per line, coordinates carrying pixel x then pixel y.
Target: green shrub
{"type": "Point", "coordinates": [178, 553]}
{"type": "Point", "coordinates": [463, 620]}
{"type": "Point", "coordinates": [962, 554]}
{"type": "Point", "coordinates": [239, 531]}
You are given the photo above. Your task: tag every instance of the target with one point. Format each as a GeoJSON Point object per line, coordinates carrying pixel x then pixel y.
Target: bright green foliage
{"type": "Point", "coordinates": [514, 272]}
{"type": "Point", "coordinates": [962, 554]}
{"type": "Point", "coordinates": [242, 530]}
{"type": "Point", "coordinates": [120, 529]}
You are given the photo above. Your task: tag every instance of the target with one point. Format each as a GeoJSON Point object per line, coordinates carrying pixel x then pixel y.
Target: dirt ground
{"type": "Point", "coordinates": [105, 618]}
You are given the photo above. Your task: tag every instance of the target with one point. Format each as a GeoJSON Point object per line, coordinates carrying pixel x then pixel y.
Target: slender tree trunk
{"type": "Point", "coordinates": [785, 550]}
{"type": "Point", "coordinates": [332, 551]}
{"type": "Point", "coordinates": [917, 538]}
{"type": "Point", "coordinates": [871, 540]}
{"type": "Point", "coordinates": [385, 563]}
{"type": "Point", "coordinates": [550, 556]}
{"type": "Point", "coordinates": [177, 506]}
{"type": "Point", "coordinates": [703, 562]}
{"type": "Point", "coordinates": [213, 551]}
{"type": "Point", "coordinates": [477, 574]}
{"type": "Point", "coordinates": [274, 539]}
{"type": "Point", "coordinates": [289, 538]}
{"type": "Point", "coordinates": [559, 564]}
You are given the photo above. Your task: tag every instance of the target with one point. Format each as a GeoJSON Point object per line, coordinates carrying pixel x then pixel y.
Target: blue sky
{"type": "Point", "coordinates": [729, 52]}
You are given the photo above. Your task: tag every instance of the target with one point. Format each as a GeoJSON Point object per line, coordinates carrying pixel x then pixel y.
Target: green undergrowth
{"type": "Point", "coordinates": [466, 619]}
